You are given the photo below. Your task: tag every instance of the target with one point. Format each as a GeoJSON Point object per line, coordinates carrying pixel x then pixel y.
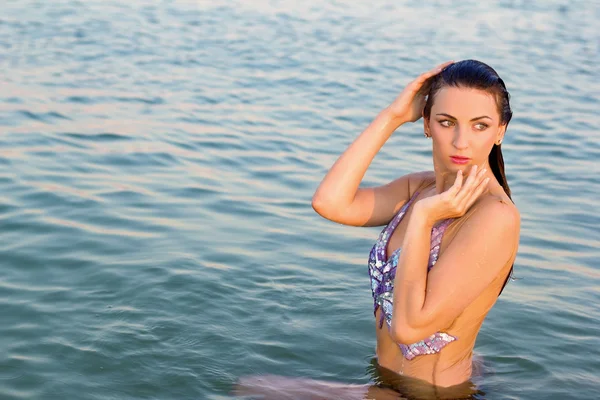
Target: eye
{"type": "Point", "coordinates": [482, 126]}
{"type": "Point", "coordinates": [447, 123]}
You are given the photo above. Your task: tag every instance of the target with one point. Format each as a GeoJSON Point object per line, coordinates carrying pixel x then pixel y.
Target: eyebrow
{"type": "Point", "coordinates": [473, 119]}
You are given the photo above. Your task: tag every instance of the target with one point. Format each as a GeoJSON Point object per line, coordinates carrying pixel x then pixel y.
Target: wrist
{"type": "Point", "coordinates": [392, 118]}
{"type": "Point", "coordinates": [422, 215]}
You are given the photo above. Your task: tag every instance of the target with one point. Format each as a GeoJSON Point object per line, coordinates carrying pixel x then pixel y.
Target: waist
{"type": "Point", "coordinates": [430, 369]}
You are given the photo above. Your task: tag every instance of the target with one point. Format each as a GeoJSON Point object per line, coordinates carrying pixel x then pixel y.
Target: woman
{"type": "Point", "coordinates": [458, 217]}
{"type": "Point", "coordinates": [449, 242]}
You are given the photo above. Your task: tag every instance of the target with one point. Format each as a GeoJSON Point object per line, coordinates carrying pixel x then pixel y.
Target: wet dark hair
{"type": "Point", "coordinates": [474, 74]}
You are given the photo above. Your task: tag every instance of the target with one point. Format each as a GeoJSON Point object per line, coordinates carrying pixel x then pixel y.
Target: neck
{"type": "Point", "coordinates": [444, 179]}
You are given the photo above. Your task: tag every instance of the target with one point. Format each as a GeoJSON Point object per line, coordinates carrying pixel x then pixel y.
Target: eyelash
{"type": "Point", "coordinates": [485, 126]}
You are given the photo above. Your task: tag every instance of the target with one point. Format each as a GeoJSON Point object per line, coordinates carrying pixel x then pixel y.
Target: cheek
{"type": "Point", "coordinates": [488, 142]}
{"type": "Point", "coordinates": [441, 135]}
{"type": "Point", "coordinates": [483, 146]}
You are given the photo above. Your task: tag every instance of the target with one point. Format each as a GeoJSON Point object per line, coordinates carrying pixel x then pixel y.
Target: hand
{"type": "Point", "coordinates": [408, 106]}
{"type": "Point", "coordinates": [455, 201]}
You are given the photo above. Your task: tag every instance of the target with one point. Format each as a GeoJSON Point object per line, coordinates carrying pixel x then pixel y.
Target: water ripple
{"type": "Point", "coordinates": [159, 161]}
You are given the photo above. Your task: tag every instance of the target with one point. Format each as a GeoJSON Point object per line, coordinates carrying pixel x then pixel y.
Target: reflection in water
{"type": "Point", "coordinates": [385, 385]}
{"type": "Point", "coordinates": [410, 388]}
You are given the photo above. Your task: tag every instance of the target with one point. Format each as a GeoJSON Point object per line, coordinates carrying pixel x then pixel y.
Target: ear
{"type": "Point", "coordinates": [426, 126]}
{"type": "Point", "coordinates": [500, 134]}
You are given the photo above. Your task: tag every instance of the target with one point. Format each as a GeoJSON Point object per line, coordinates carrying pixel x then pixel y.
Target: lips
{"type": "Point", "coordinates": [459, 160]}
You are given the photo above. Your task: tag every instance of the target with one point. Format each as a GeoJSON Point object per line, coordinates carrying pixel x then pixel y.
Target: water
{"type": "Point", "coordinates": [157, 239]}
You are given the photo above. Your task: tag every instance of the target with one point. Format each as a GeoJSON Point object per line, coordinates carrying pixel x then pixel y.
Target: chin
{"type": "Point", "coordinates": [454, 168]}
{"type": "Point", "coordinates": [451, 167]}
{"type": "Point", "coordinates": [464, 167]}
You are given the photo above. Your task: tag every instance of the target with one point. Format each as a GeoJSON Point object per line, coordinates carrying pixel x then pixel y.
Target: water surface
{"type": "Point", "coordinates": [159, 158]}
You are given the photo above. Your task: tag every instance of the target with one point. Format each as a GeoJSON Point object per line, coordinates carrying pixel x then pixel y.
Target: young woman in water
{"type": "Point", "coordinates": [451, 235]}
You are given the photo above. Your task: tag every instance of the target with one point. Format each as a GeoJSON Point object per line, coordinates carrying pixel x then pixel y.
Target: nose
{"type": "Point", "coordinates": [460, 140]}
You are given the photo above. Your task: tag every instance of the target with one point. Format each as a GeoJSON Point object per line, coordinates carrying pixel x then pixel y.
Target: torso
{"type": "Point", "coordinates": [452, 365]}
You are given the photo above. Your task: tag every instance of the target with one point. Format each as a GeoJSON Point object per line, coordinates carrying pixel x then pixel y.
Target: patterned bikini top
{"type": "Point", "coordinates": [382, 272]}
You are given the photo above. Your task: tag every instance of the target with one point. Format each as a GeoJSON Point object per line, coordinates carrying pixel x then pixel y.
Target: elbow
{"type": "Point", "coordinates": [321, 206]}
{"type": "Point", "coordinates": [317, 203]}
{"type": "Point", "coordinates": [403, 333]}
{"type": "Point", "coordinates": [331, 208]}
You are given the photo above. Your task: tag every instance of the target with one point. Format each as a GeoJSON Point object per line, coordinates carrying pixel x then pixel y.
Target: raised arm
{"type": "Point", "coordinates": [339, 198]}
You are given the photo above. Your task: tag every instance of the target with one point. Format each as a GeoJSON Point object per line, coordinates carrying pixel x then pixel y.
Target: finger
{"type": "Point", "coordinates": [443, 65]}
{"type": "Point", "coordinates": [420, 82]}
{"type": "Point", "coordinates": [476, 176]}
{"type": "Point", "coordinates": [437, 69]}
{"type": "Point", "coordinates": [425, 87]}
{"type": "Point", "coordinates": [434, 71]}
{"type": "Point", "coordinates": [423, 81]}
{"type": "Point", "coordinates": [477, 172]}
{"type": "Point", "coordinates": [473, 182]}
{"type": "Point", "coordinates": [458, 181]}
{"type": "Point", "coordinates": [467, 187]}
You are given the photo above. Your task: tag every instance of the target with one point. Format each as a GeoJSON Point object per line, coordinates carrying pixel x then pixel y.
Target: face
{"type": "Point", "coordinates": [465, 123]}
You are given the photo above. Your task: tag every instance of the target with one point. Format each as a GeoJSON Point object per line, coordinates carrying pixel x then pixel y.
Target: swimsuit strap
{"type": "Point", "coordinates": [396, 220]}
{"type": "Point", "coordinates": [437, 233]}
{"type": "Point", "coordinates": [386, 233]}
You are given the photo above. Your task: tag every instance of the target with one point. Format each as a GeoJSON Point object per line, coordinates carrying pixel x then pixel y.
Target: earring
{"type": "Point", "coordinates": [425, 133]}
{"type": "Point", "coordinates": [499, 142]}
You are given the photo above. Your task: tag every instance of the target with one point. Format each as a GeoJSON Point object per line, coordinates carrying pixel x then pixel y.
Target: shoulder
{"type": "Point", "coordinates": [494, 216]}
{"type": "Point", "coordinates": [498, 208]}
{"type": "Point", "coordinates": [403, 188]}
{"type": "Point", "coordinates": [420, 180]}
{"type": "Point", "coordinates": [488, 234]}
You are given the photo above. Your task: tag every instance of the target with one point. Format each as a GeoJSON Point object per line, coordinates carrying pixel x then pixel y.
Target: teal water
{"type": "Point", "coordinates": [158, 162]}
